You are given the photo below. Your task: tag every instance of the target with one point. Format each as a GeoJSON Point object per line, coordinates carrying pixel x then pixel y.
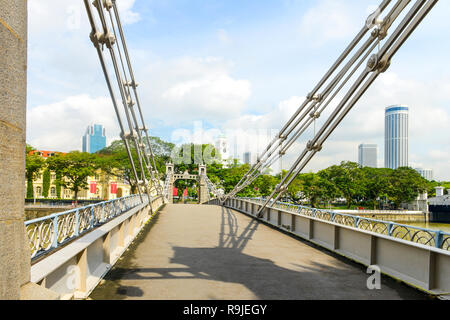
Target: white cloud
{"type": "Point", "coordinates": [274, 119]}
{"type": "Point", "coordinates": [224, 37]}
{"type": "Point", "coordinates": [429, 117]}
{"type": "Point", "coordinates": [328, 20]}
{"type": "Point", "coordinates": [252, 133]}
{"type": "Point", "coordinates": [62, 60]}
{"type": "Point", "coordinates": [189, 89]}
{"type": "Point", "coordinates": [127, 15]}
{"type": "Point", "coordinates": [60, 126]}
{"type": "Point", "coordinates": [63, 63]}
{"type": "Point", "coordinates": [51, 16]}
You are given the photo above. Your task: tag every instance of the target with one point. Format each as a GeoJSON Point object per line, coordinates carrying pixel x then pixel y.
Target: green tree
{"type": "Point", "coordinates": [45, 183]}
{"type": "Point", "coordinates": [58, 185]}
{"type": "Point", "coordinates": [348, 179]}
{"type": "Point", "coordinates": [75, 167]}
{"type": "Point", "coordinates": [294, 192]}
{"type": "Point", "coordinates": [313, 188]}
{"type": "Point", "coordinates": [114, 160]}
{"type": "Point", "coordinates": [265, 184]}
{"type": "Point", "coordinates": [405, 185]}
{"type": "Point", "coordinates": [33, 165]}
{"type": "Point", "coordinates": [376, 184]}
{"type": "Point", "coordinates": [190, 155]}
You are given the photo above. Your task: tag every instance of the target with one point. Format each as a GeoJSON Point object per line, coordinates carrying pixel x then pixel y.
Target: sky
{"type": "Point", "coordinates": [239, 68]}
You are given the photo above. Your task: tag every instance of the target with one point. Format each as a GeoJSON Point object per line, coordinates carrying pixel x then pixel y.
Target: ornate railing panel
{"type": "Point", "coordinates": [428, 237]}
{"type": "Point", "coordinates": [167, 187]}
{"type": "Point", "coordinates": [48, 233]}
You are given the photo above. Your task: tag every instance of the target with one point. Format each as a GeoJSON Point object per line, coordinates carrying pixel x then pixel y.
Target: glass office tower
{"type": "Point", "coordinates": [94, 139]}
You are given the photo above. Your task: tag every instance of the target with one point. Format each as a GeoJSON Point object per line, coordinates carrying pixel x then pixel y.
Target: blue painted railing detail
{"type": "Point", "coordinates": [48, 233]}
{"type": "Point", "coordinates": [429, 237]}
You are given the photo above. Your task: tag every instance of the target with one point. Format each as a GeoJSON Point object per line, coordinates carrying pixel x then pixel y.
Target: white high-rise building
{"type": "Point", "coordinates": [396, 143]}
{"type": "Point", "coordinates": [426, 173]}
{"type": "Point", "coordinates": [223, 148]}
{"type": "Point", "coordinates": [247, 158]}
{"type": "Point", "coordinates": [368, 155]}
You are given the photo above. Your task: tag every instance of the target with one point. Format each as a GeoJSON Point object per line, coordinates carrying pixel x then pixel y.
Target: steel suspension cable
{"type": "Point", "coordinates": [107, 36]}
{"type": "Point", "coordinates": [130, 102]}
{"type": "Point", "coordinates": [377, 64]}
{"type": "Point", "coordinates": [314, 98]}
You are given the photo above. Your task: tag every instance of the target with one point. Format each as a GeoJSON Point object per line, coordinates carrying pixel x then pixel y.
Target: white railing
{"type": "Point", "coordinates": [167, 187]}
{"type": "Point", "coordinates": [435, 238]}
{"type": "Point", "coordinates": [48, 233]}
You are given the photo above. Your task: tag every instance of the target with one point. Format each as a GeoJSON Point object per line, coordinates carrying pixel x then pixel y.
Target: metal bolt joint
{"type": "Point", "coordinates": [107, 4]}
{"type": "Point", "coordinates": [315, 115]}
{"type": "Point", "coordinates": [281, 188]}
{"type": "Point", "coordinates": [128, 135]}
{"type": "Point", "coordinates": [95, 38]}
{"type": "Point", "coordinates": [316, 147]}
{"type": "Point", "coordinates": [98, 38]}
{"type": "Point", "coordinates": [375, 64]}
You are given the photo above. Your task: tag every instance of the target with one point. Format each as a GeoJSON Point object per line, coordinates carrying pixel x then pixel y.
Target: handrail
{"type": "Point", "coordinates": [167, 189]}
{"type": "Point", "coordinates": [429, 237]}
{"type": "Point", "coordinates": [50, 232]}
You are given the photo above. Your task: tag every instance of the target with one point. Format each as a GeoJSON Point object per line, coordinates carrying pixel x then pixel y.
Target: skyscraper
{"type": "Point", "coordinates": [223, 147]}
{"type": "Point", "coordinates": [396, 147]}
{"type": "Point", "coordinates": [247, 158]}
{"type": "Point", "coordinates": [368, 155]}
{"type": "Point", "coordinates": [94, 139]}
{"type": "Point", "coordinates": [426, 173]}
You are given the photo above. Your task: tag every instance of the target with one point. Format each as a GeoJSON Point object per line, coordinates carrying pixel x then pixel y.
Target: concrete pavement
{"type": "Point", "coordinates": [201, 252]}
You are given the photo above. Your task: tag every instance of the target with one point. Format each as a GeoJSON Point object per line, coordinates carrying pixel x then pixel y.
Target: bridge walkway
{"type": "Point", "coordinates": [199, 252]}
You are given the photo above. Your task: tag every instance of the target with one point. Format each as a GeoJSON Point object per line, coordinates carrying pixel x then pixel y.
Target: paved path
{"type": "Point", "coordinates": [194, 252]}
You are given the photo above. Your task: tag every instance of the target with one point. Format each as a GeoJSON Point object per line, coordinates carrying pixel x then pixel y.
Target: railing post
{"type": "Point", "coordinates": [55, 235]}
{"type": "Point", "coordinates": [77, 222]}
{"type": "Point", "coordinates": [356, 222]}
{"type": "Point", "coordinates": [92, 217]}
{"type": "Point", "coordinates": [103, 212]}
{"type": "Point", "coordinates": [390, 225]}
{"type": "Point", "coordinates": [438, 239]}
{"type": "Point", "coordinates": [116, 208]}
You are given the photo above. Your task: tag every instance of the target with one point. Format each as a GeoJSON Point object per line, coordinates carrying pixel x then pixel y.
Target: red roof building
{"type": "Point", "coordinates": [44, 154]}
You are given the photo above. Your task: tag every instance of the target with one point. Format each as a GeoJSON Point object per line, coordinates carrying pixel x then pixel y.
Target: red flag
{"type": "Point", "coordinates": [185, 193]}
{"type": "Point", "coordinates": [93, 187]}
{"type": "Point", "coordinates": [113, 188]}
{"type": "Point", "coordinates": [175, 191]}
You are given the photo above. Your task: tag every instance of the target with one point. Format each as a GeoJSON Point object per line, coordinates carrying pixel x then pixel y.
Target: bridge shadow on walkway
{"type": "Point", "coordinates": [178, 260]}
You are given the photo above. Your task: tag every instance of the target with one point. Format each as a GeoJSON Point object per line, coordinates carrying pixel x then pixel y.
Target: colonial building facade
{"type": "Point", "coordinates": [101, 186]}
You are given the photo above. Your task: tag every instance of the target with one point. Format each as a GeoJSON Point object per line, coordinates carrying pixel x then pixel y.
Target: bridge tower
{"type": "Point", "coordinates": [15, 263]}
{"type": "Point", "coordinates": [169, 168]}
{"type": "Point", "coordinates": [14, 245]}
{"type": "Point", "coordinates": [203, 193]}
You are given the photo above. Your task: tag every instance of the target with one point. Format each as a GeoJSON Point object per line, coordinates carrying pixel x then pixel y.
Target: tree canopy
{"type": "Point", "coordinates": [74, 168]}
{"type": "Point", "coordinates": [346, 181]}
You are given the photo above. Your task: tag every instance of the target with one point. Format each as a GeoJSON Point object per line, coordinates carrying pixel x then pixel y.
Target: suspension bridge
{"type": "Point", "coordinates": [225, 247]}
